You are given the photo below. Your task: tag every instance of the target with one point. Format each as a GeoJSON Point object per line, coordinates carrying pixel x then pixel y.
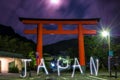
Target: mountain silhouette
{"type": "Point", "coordinates": [9, 31]}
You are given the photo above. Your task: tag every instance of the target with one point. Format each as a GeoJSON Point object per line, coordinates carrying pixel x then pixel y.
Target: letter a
{"type": "Point", "coordinates": [42, 65]}
{"type": "Point", "coordinates": [76, 64]}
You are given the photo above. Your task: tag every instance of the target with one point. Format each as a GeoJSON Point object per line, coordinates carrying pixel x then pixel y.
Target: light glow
{"type": "Point", "coordinates": [105, 33]}
{"type": "Point", "coordinates": [55, 1]}
{"type": "Point", "coordinates": [52, 64]}
{"type": "Point", "coordinates": [5, 63]}
{"type": "Point", "coordinates": [4, 66]}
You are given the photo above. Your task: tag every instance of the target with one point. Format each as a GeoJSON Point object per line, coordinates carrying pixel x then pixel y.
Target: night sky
{"type": "Point", "coordinates": [107, 10]}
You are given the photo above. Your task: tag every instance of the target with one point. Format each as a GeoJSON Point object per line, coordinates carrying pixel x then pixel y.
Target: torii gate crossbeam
{"type": "Point", "coordinates": [60, 22]}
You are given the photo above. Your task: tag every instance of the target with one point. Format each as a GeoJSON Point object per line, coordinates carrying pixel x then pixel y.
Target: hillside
{"type": "Point", "coordinates": [92, 44]}
{"type": "Point", "coordinates": [8, 31]}
{"type": "Point", "coordinates": [15, 43]}
{"type": "Point", "coordinates": [66, 47]}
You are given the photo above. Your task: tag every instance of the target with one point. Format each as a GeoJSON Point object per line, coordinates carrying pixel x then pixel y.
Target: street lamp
{"type": "Point", "coordinates": [106, 34]}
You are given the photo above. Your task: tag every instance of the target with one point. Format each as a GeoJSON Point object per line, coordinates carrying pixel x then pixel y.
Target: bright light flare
{"type": "Point", "coordinates": [52, 64]}
{"type": "Point", "coordinates": [53, 4]}
{"type": "Point", "coordinates": [105, 33]}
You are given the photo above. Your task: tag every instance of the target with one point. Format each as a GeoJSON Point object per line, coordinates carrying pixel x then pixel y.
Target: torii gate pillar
{"type": "Point", "coordinates": [81, 45]}
{"type": "Point", "coordinates": [60, 22]}
{"type": "Point", "coordinates": [39, 43]}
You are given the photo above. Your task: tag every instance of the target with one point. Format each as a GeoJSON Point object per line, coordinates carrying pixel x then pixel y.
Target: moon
{"type": "Point", "coordinates": [55, 2]}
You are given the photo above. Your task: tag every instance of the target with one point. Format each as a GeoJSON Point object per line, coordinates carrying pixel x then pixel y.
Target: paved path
{"type": "Point", "coordinates": [9, 75]}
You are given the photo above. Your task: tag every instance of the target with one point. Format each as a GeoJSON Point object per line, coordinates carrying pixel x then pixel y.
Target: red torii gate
{"type": "Point", "coordinates": [60, 22]}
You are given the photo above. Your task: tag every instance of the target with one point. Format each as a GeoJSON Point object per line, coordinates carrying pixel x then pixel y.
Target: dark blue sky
{"type": "Point", "coordinates": [107, 10]}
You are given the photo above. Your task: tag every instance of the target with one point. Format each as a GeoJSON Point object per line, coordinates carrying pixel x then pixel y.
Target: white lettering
{"type": "Point", "coordinates": [76, 64]}
{"type": "Point", "coordinates": [42, 65]}
{"type": "Point", "coordinates": [93, 66]}
{"type": "Point", "coordinates": [60, 67]}
{"type": "Point", "coordinates": [25, 68]}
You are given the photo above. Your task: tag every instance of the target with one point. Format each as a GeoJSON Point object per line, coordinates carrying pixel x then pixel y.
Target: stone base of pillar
{"type": "Point", "coordinates": [84, 69]}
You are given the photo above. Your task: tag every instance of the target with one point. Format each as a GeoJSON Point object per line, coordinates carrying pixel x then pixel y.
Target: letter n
{"type": "Point", "coordinates": [93, 66]}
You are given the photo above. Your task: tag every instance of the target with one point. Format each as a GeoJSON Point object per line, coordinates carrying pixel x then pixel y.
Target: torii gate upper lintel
{"type": "Point", "coordinates": [60, 22]}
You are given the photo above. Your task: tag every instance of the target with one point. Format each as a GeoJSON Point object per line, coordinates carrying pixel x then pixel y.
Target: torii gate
{"type": "Point", "coordinates": [60, 22]}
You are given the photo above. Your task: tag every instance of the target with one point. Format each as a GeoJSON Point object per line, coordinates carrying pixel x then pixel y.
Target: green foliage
{"type": "Point", "coordinates": [13, 68]}
{"type": "Point", "coordinates": [33, 62]}
{"type": "Point", "coordinates": [95, 46]}
{"type": "Point", "coordinates": [16, 45]}
{"type": "Point", "coordinates": [13, 42]}
{"type": "Point", "coordinates": [72, 52]}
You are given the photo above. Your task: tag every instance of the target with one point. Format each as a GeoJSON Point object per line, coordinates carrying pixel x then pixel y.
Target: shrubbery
{"type": "Point", "coordinates": [13, 69]}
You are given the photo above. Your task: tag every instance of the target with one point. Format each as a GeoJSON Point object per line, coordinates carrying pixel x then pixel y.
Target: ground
{"type": "Point", "coordinates": [64, 76]}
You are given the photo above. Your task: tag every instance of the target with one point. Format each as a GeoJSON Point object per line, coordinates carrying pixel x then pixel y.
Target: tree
{"type": "Point", "coordinates": [33, 62]}
{"type": "Point", "coordinates": [16, 45]}
{"type": "Point", "coordinates": [97, 47]}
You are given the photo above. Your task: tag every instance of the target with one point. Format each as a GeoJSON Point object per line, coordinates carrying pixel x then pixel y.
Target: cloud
{"type": "Point", "coordinates": [107, 10]}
